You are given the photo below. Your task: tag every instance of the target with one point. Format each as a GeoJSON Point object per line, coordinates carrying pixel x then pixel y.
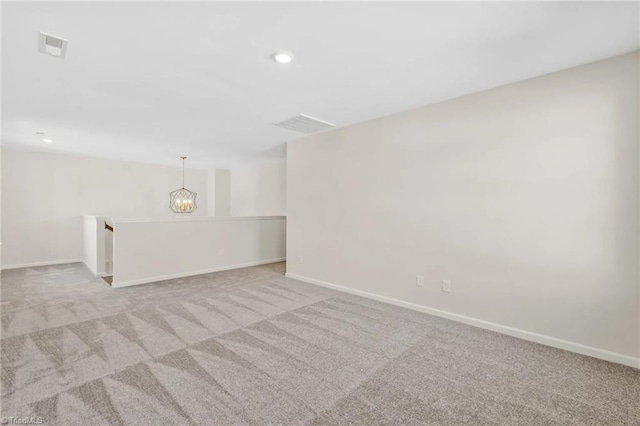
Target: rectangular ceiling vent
{"type": "Point", "coordinates": [305, 124]}
{"type": "Point", "coordinates": [51, 45]}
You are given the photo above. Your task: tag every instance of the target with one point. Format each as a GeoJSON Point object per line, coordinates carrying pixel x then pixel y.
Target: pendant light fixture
{"type": "Point", "coordinates": [182, 200]}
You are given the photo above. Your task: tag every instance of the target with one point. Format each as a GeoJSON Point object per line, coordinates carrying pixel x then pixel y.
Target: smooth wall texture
{"type": "Point", "coordinates": [525, 197]}
{"type": "Point", "coordinates": [259, 189]}
{"type": "Point", "coordinates": [222, 192]}
{"type": "Point", "coordinates": [95, 251]}
{"type": "Point", "coordinates": [44, 196]}
{"type": "Point", "coordinates": [91, 247]}
{"type": "Point", "coordinates": [211, 192]}
{"type": "Point", "coordinates": [145, 250]}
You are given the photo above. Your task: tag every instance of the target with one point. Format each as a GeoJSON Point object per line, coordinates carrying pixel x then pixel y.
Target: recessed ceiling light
{"type": "Point", "coordinates": [282, 57]}
{"type": "Point", "coordinates": [47, 140]}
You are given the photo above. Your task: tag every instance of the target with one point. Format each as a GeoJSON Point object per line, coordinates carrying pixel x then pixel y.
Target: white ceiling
{"type": "Point", "coordinates": [153, 81]}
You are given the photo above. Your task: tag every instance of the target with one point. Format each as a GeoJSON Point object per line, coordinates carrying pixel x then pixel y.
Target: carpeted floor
{"type": "Point", "coordinates": [252, 347]}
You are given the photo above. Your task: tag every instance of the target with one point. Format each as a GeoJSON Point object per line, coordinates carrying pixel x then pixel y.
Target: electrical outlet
{"type": "Point", "coordinates": [419, 280]}
{"type": "Point", "coordinates": [446, 286]}
{"type": "Point", "coordinates": [300, 259]}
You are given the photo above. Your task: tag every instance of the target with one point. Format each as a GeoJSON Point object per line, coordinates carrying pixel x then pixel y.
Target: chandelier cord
{"type": "Point", "coordinates": [183, 158]}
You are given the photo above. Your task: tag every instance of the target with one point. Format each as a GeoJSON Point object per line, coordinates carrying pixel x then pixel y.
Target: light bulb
{"type": "Point", "coordinates": [282, 57]}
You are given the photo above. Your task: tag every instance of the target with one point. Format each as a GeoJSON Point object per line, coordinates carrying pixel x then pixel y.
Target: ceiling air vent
{"type": "Point", "coordinates": [305, 124]}
{"type": "Point", "coordinates": [51, 45]}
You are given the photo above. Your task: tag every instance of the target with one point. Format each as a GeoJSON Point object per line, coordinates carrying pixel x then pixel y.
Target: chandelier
{"type": "Point", "coordinates": [182, 200]}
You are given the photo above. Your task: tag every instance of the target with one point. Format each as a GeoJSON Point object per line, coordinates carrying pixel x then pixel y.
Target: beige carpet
{"type": "Point", "coordinates": [252, 347]}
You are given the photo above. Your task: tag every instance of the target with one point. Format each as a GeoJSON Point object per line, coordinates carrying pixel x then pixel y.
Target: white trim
{"type": "Point", "coordinates": [34, 264]}
{"type": "Point", "coordinates": [192, 273]}
{"type": "Point", "coordinates": [178, 218]}
{"type": "Point", "coordinates": [515, 332]}
{"type": "Point", "coordinates": [89, 268]}
{"type": "Point", "coordinates": [95, 274]}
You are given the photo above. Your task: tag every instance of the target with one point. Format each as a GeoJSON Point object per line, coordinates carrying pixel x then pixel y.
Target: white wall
{"type": "Point", "coordinates": [222, 192]}
{"type": "Point", "coordinates": [211, 192]}
{"type": "Point", "coordinates": [145, 250]}
{"type": "Point", "coordinates": [0, 192]}
{"type": "Point", "coordinates": [44, 196]}
{"type": "Point", "coordinates": [259, 189]}
{"type": "Point", "coordinates": [95, 251]}
{"type": "Point", "coordinates": [90, 247]}
{"type": "Point", "coordinates": [525, 197]}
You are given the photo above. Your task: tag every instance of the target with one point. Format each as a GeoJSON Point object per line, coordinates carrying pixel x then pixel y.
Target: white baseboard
{"type": "Point", "coordinates": [34, 264]}
{"type": "Point", "coordinates": [95, 274]}
{"type": "Point", "coordinates": [515, 332]}
{"type": "Point", "coordinates": [192, 273]}
{"type": "Point", "coordinates": [86, 265]}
